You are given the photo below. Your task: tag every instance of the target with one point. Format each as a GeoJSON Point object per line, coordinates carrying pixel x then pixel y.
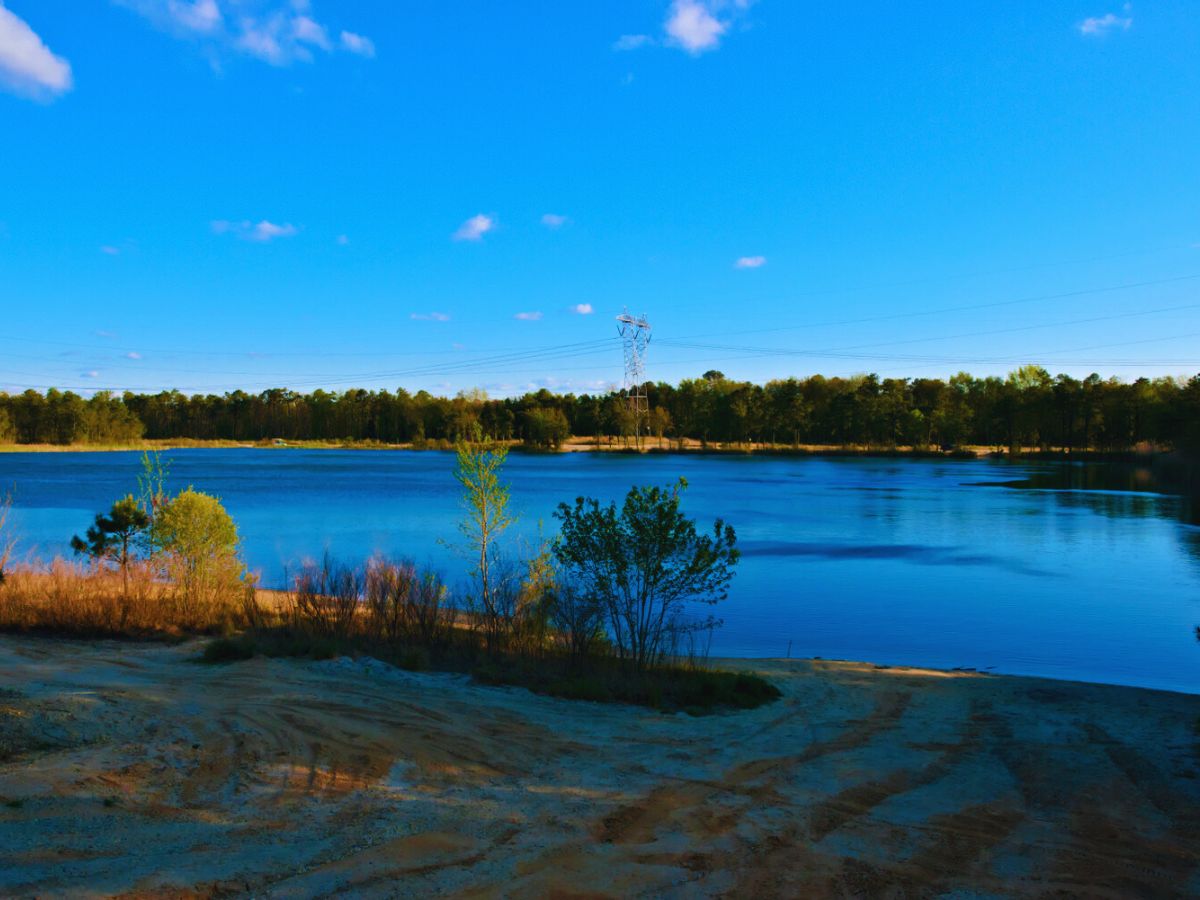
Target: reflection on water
{"type": "Point", "coordinates": [1069, 570]}
{"type": "Point", "coordinates": [912, 553]}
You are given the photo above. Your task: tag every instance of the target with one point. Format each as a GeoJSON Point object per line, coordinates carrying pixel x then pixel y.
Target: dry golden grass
{"type": "Point", "coordinates": [76, 598]}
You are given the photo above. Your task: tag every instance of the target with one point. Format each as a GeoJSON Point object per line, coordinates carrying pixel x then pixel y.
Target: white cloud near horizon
{"type": "Point", "coordinates": [430, 317]}
{"type": "Point", "coordinates": [553, 220]}
{"type": "Point", "coordinates": [750, 262]}
{"type": "Point", "coordinates": [1098, 26]}
{"type": "Point", "coordinates": [475, 228]}
{"type": "Point", "coordinates": [528, 316]}
{"type": "Point", "coordinates": [28, 68]}
{"type": "Point", "coordinates": [278, 32]}
{"type": "Point", "coordinates": [582, 309]}
{"type": "Point", "coordinates": [261, 232]}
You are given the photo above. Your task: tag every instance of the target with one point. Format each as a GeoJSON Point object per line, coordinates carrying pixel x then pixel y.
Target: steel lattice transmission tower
{"type": "Point", "coordinates": [635, 335]}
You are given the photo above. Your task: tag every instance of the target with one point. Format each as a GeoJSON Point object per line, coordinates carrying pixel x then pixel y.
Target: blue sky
{"type": "Point", "coordinates": [210, 194]}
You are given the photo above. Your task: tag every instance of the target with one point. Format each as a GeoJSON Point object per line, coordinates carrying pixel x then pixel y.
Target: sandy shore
{"type": "Point", "coordinates": [131, 770]}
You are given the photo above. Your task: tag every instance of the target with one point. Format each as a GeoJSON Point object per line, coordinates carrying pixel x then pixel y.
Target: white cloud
{"type": "Point", "coordinates": [632, 41]}
{"type": "Point", "coordinates": [1098, 26]}
{"type": "Point", "coordinates": [528, 316]}
{"type": "Point", "coordinates": [692, 26]}
{"type": "Point", "coordinates": [110, 250]}
{"type": "Point", "coordinates": [133, 354]}
{"type": "Point", "coordinates": [750, 262]}
{"type": "Point", "coordinates": [266, 231]}
{"type": "Point", "coordinates": [203, 16]}
{"type": "Point", "coordinates": [91, 373]}
{"type": "Point", "coordinates": [430, 317]}
{"type": "Point", "coordinates": [475, 228]}
{"type": "Point", "coordinates": [582, 309]}
{"type": "Point", "coordinates": [356, 43]}
{"type": "Point", "coordinates": [27, 66]}
{"type": "Point", "coordinates": [279, 32]}
{"type": "Point", "coordinates": [249, 231]}
{"type": "Point", "coordinates": [553, 220]}
{"type": "Point", "coordinates": [310, 32]}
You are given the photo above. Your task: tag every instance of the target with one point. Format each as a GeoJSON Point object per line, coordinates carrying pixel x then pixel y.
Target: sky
{"type": "Point", "coordinates": [208, 195]}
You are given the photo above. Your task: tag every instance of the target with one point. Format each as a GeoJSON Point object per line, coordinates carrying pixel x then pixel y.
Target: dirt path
{"type": "Point", "coordinates": [132, 771]}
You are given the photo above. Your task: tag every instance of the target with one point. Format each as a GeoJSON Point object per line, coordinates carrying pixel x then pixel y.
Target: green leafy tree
{"type": "Point", "coordinates": [644, 564]}
{"type": "Point", "coordinates": [546, 427]}
{"type": "Point", "coordinates": [8, 430]}
{"type": "Point", "coordinates": [485, 501]}
{"type": "Point", "coordinates": [114, 536]}
{"type": "Point", "coordinates": [200, 543]}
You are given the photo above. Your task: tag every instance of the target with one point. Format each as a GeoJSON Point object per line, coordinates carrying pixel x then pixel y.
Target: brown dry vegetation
{"type": "Point", "coordinates": [93, 599]}
{"type": "Point", "coordinates": [128, 770]}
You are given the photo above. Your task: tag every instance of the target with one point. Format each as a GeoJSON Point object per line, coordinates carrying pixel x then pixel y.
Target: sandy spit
{"type": "Point", "coordinates": [130, 770]}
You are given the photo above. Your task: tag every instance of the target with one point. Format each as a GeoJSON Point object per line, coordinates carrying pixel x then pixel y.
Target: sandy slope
{"type": "Point", "coordinates": [131, 770]}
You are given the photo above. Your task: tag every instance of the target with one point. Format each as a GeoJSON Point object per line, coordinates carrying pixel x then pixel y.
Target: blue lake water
{"type": "Point", "coordinates": [935, 563]}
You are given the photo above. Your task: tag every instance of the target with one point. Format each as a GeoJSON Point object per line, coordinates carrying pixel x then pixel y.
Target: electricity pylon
{"type": "Point", "coordinates": [635, 335]}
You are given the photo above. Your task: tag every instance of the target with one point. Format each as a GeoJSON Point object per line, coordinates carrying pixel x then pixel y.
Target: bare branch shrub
{"type": "Point", "coordinates": [324, 598]}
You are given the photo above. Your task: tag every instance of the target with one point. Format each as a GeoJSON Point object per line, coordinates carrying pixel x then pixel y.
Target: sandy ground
{"type": "Point", "coordinates": [131, 770]}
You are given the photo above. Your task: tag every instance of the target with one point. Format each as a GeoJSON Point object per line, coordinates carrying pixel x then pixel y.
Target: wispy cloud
{"type": "Point", "coordinates": [430, 317]}
{"type": "Point", "coordinates": [582, 309]}
{"type": "Point", "coordinates": [133, 354]}
{"type": "Point", "coordinates": [27, 66]}
{"type": "Point", "coordinates": [528, 316]}
{"type": "Point", "coordinates": [279, 32]}
{"type": "Point", "coordinates": [100, 332]}
{"type": "Point", "coordinates": [475, 228]}
{"type": "Point", "coordinates": [342, 240]}
{"type": "Point", "coordinates": [249, 231]}
{"type": "Point", "coordinates": [553, 220]}
{"type": "Point", "coordinates": [90, 373]}
{"type": "Point", "coordinates": [1098, 26]}
{"type": "Point", "coordinates": [750, 262]}
{"type": "Point", "coordinates": [632, 41]}
{"type": "Point", "coordinates": [356, 43]}
{"type": "Point", "coordinates": [200, 16]}
{"type": "Point", "coordinates": [110, 250]}
{"type": "Point", "coordinates": [692, 26]}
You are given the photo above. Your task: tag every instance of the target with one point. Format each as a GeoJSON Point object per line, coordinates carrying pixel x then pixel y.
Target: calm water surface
{"type": "Point", "coordinates": [1033, 569]}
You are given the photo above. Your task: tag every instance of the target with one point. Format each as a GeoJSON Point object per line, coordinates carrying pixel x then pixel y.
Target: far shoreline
{"type": "Point", "coordinates": [656, 447]}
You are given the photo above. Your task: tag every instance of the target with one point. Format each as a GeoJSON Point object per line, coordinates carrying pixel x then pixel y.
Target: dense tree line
{"type": "Point", "coordinates": [1028, 408]}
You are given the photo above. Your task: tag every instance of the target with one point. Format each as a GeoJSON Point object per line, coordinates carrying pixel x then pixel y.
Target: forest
{"type": "Point", "coordinates": [1030, 408]}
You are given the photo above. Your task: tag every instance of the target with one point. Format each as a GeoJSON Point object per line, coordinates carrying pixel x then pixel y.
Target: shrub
{"type": "Point", "coordinates": [7, 541]}
{"type": "Point", "coordinates": [198, 542]}
{"type": "Point", "coordinates": [645, 565]}
{"type": "Point", "coordinates": [225, 650]}
{"type": "Point", "coordinates": [325, 598]}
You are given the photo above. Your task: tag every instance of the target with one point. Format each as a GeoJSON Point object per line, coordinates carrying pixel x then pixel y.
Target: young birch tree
{"type": "Point", "coordinates": [485, 499]}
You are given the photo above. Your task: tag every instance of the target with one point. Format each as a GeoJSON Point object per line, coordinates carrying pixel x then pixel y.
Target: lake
{"type": "Point", "coordinates": [1037, 568]}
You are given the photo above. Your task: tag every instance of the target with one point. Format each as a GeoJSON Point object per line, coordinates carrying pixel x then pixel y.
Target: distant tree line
{"type": "Point", "coordinates": [1028, 408]}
